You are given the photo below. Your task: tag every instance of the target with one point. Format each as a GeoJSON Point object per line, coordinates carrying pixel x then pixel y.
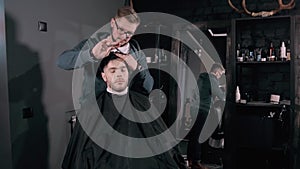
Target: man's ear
{"type": "Point", "coordinates": [112, 22]}
{"type": "Point", "coordinates": [103, 76]}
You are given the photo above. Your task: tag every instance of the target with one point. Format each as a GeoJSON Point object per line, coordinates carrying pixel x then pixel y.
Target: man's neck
{"type": "Point", "coordinates": [120, 93]}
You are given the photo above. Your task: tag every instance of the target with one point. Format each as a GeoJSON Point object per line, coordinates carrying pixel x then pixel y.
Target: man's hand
{"type": "Point", "coordinates": [103, 48]}
{"type": "Point", "coordinates": [129, 59]}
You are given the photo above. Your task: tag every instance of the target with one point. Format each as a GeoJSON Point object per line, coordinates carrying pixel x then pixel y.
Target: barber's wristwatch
{"type": "Point", "coordinates": [139, 67]}
{"type": "Point", "coordinates": [92, 57]}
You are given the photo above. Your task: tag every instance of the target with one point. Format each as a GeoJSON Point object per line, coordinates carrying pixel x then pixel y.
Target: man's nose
{"type": "Point", "coordinates": [119, 74]}
{"type": "Point", "coordinates": [126, 35]}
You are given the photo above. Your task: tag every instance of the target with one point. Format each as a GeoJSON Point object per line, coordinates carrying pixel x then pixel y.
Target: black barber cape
{"type": "Point", "coordinates": [83, 153]}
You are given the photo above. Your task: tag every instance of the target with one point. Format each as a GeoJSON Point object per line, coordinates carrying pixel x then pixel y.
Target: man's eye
{"type": "Point", "coordinates": [129, 33]}
{"type": "Point", "coordinates": [123, 70]}
{"type": "Point", "coordinates": [122, 30]}
{"type": "Point", "coordinates": [112, 71]}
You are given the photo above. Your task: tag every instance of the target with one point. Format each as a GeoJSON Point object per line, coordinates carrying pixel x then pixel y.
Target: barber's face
{"type": "Point", "coordinates": [122, 30]}
{"type": "Point", "coordinates": [116, 75]}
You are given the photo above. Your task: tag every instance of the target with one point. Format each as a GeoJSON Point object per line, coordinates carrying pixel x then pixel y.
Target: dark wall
{"type": "Point", "coordinates": [5, 142]}
{"type": "Point", "coordinates": [39, 92]}
{"type": "Point", "coordinates": [207, 10]}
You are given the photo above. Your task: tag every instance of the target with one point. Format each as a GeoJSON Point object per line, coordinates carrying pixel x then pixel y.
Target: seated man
{"type": "Point", "coordinates": [125, 116]}
{"type": "Point", "coordinates": [117, 38]}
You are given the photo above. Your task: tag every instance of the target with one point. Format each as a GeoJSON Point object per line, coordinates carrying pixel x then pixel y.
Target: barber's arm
{"type": "Point", "coordinates": [217, 91]}
{"type": "Point", "coordinates": [68, 58]}
{"type": "Point", "coordinates": [143, 79]}
{"type": "Point", "coordinates": [87, 51]}
{"type": "Point", "coordinates": [147, 79]}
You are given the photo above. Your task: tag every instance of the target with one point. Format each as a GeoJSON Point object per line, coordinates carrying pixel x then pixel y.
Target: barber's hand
{"type": "Point", "coordinates": [129, 59]}
{"type": "Point", "coordinates": [103, 48]}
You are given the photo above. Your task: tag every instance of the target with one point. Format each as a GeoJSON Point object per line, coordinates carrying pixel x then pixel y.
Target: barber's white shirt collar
{"type": "Point", "coordinates": [123, 49]}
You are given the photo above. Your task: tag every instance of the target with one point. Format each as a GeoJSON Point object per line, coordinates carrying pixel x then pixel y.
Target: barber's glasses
{"type": "Point", "coordinates": [122, 31]}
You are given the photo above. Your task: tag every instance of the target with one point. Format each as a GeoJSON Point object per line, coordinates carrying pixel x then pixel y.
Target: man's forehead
{"type": "Point", "coordinates": [124, 23]}
{"type": "Point", "coordinates": [117, 63]}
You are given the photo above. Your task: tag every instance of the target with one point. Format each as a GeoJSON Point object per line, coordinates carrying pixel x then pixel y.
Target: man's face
{"type": "Point", "coordinates": [122, 30]}
{"type": "Point", "coordinates": [219, 73]}
{"type": "Point", "coordinates": [116, 75]}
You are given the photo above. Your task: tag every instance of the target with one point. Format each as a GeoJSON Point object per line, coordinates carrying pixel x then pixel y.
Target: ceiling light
{"type": "Point", "coordinates": [216, 34]}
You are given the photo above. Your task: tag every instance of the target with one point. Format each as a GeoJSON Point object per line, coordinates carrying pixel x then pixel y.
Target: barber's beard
{"type": "Point", "coordinates": [121, 41]}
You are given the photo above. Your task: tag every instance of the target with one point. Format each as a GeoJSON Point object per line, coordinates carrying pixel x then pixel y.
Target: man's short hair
{"type": "Point", "coordinates": [106, 60]}
{"type": "Point", "coordinates": [128, 13]}
{"type": "Point", "coordinates": [217, 66]}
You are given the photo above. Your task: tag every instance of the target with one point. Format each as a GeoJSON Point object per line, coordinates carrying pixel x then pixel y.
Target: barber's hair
{"type": "Point", "coordinates": [217, 66]}
{"type": "Point", "coordinates": [106, 60]}
{"type": "Point", "coordinates": [128, 13]}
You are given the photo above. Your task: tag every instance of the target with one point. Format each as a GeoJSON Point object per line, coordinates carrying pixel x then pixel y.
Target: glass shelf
{"type": "Point", "coordinates": [264, 104]}
{"type": "Point", "coordinates": [262, 62]}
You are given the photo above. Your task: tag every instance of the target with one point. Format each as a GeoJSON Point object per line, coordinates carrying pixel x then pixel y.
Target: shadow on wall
{"type": "Point", "coordinates": [30, 145]}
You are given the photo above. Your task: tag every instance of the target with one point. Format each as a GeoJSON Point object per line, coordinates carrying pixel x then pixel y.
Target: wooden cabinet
{"type": "Point", "coordinates": [296, 126]}
{"type": "Point", "coordinates": [260, 133]}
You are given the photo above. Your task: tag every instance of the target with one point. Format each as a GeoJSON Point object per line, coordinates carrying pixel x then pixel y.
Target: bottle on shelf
{"type": "Point", "coordinates": [155, 60]}
{"type": "Point", "coordinates": [251, 56]}
{"type": "Point", "coordinates": [237, 95]}
{"type": "Point", "coordinates": [277, 54]}
{"type": "Point", "coordinates": [288, 50]}
{"type": "Point", "coordinates": [187, 115]}
{"type": "Point", "coordinates": [264, 55]}
{"type": "Point", "coordinates": [271, 52]}
{"type": "Point", "coordinates": [163, 57]}
{"type": "Point", "coordinates": [282, 113]}
{"type": "Point", "coordinates": [282, 52]}
{"type": "Point", "coordinates": [238, 49]}
{"type": "Point", "coordinates": [258, 54]}
{"type": "Point", "coordinates": [247, 54]}
{"type": "Point", "coordinates": [239, 53]}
